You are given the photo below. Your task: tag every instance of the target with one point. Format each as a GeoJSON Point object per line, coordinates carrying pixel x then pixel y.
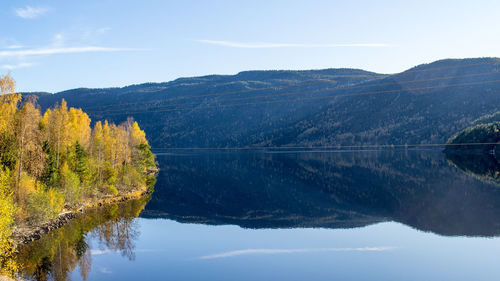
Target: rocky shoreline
{"type": "Point", "coordinates": [25, 235]}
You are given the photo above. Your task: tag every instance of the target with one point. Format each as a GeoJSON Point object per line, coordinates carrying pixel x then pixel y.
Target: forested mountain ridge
{"type": "Point", "coordinates": [426, 104]}
{"type": "Point", "coordinates": [487, 134]}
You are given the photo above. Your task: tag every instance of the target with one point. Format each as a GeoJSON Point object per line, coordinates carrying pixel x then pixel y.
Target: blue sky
{"type": "Point", "coordinates": [59, 45]}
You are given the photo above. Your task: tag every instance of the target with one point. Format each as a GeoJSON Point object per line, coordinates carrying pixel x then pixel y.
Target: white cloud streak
{"type": "Point", "coordinates": [15, 66]}
{"type": "Point", "coordinates": [62, 50]}
{"type": "Point", "coordinates": [30, 12]}
{"type": "Point", "coordinates": [291, 251]}
{"type": "Point", "coordinates": [12, 47]}
{"type": "Point", "coordinates": [261, 45]}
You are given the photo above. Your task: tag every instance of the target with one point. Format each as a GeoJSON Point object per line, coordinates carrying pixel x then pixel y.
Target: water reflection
{"type": "Point", "coordinates": [57, 254]}
{"type": "Point", "coordinates": [324, 189]}
{"type": "Point", "coordinates": [422, 189]}
{"type": "Point", "coordinates": [484, 166]}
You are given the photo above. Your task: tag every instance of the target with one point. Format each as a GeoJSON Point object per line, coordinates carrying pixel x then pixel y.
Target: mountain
{"type": "Point", "coordinates": [426, 104]}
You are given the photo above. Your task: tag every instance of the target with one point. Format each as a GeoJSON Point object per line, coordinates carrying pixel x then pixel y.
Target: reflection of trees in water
{"type": "Point", "coordinates": [330, 189]}
{"type": "Point", "coordinates": [483, 166]}
{"type": "Point", "coordinates": [118, 236]}
{"type": "Point", "coordinates": [57, 254]}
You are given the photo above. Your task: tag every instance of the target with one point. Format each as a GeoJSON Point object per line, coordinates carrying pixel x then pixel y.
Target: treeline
{"type": "Point", "coordinates": [485, 137]}
{"type": "Point", "coordinates": [56, 161]}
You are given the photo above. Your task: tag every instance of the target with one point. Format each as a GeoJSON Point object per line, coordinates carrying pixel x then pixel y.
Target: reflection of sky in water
{"type": "Point", "coordinates": [167, 250]}
{"type": "Point", "coordinates": [231, 254]}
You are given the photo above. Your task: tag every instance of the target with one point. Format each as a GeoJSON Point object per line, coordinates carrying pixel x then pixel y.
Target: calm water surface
{"type": "Point", "coordinates": [371, 215]}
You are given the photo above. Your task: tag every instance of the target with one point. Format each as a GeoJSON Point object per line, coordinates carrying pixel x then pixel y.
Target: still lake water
{"type": "Point", "coordinates": [370, 215]}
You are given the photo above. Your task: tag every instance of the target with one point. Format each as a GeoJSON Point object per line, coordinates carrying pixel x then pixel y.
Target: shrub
{"type": "Point", "coordinates": [44, 205]}
{"type": "Point", "coordinates": [109, 174]}
{"type": "Point", "coordinates": [150, 182]}
{"type": "Point", "coordinates": [111, 190]}
{"type": "Point", "coordinates": [27, 185]}
{"type": "Point", "coordinates": [130, 178]}
{"type": "Point", "coordinates": [70, 185]}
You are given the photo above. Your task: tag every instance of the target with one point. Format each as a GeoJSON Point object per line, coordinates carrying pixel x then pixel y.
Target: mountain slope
{"type": "Point", "coordinates": [426, 104]}
{"type": "Point", "coordinates": [421, 105]}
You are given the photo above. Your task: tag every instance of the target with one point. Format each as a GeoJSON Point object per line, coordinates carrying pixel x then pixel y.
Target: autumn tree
{"type": "Point", "coordinates": [80, 130]}
{"type": "Point", "coordinates": [29, 141]}
{"type": "Point", "coordinates": [97, 149]}
{"type": "Point", "coordinates": [8, 106]}
{"type": "Point", "coordinates": [55, 122]}
{"type": "Point", "coordinates": [7, 264]}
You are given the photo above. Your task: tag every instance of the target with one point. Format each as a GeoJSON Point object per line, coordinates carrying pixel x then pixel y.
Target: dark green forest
{"type": "Point", "coordinates": [426, 104]}
{"type": "Point", "coordinates": [481, 137]}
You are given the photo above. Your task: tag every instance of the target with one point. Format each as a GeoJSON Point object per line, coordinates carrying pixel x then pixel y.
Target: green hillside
{"type": "Point", "coordinates": [425, 104]}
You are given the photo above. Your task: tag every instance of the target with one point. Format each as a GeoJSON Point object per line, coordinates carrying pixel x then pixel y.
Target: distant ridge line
{"type": "Point", "coordinates": [311, 98]}
{"type": "Point", "coordinates": [297, 93]}
{"type": "Point", "coordinates": [296, 85]}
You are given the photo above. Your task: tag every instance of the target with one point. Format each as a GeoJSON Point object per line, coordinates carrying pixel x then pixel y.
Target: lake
{"type": "Point", "coordinates": [290, 215]}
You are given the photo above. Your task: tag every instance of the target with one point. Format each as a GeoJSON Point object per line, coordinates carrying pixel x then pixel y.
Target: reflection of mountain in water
{"type": "Point", "coordinates": [483, 166]}
{"type": "Point", "coordinates": [333, 190]}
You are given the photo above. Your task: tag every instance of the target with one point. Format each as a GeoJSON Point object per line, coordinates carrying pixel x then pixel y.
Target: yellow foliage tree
{"type": "Point", "coordinates": [137, 135]}
{"type": "Point", "coordinates": [97, 148]}
{"type": "Point", "coordinates": [122, 134]}
{"type": "Point", "coordinates": [7, 263]}
{"type": "Point", "coordinates": [29, 141]}
{"type": "Point", "coordinates": [8, 106]}
{"type": "Point", "coordinates": [58, 132]}
{"type": "Point", "coordinates": [79, 127]}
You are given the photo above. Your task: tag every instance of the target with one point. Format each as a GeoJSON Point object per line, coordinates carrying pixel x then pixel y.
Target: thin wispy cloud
{"type": "Point", "coordinates": [62, 50]}
{"type": "Point", "coordinates": [16, 66]}
{"type": "Point", "coordinates": [261, 45]}
{"type": "Point", "coordinates": [30, 12]}
{"type": "Point", "coordinates": [14, 47]}
{"type": "Point", "coordinates": [291, 251]}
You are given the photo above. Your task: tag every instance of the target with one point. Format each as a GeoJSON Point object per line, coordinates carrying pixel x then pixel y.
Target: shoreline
{"type": "Point", "coordinates": [27, 234]}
